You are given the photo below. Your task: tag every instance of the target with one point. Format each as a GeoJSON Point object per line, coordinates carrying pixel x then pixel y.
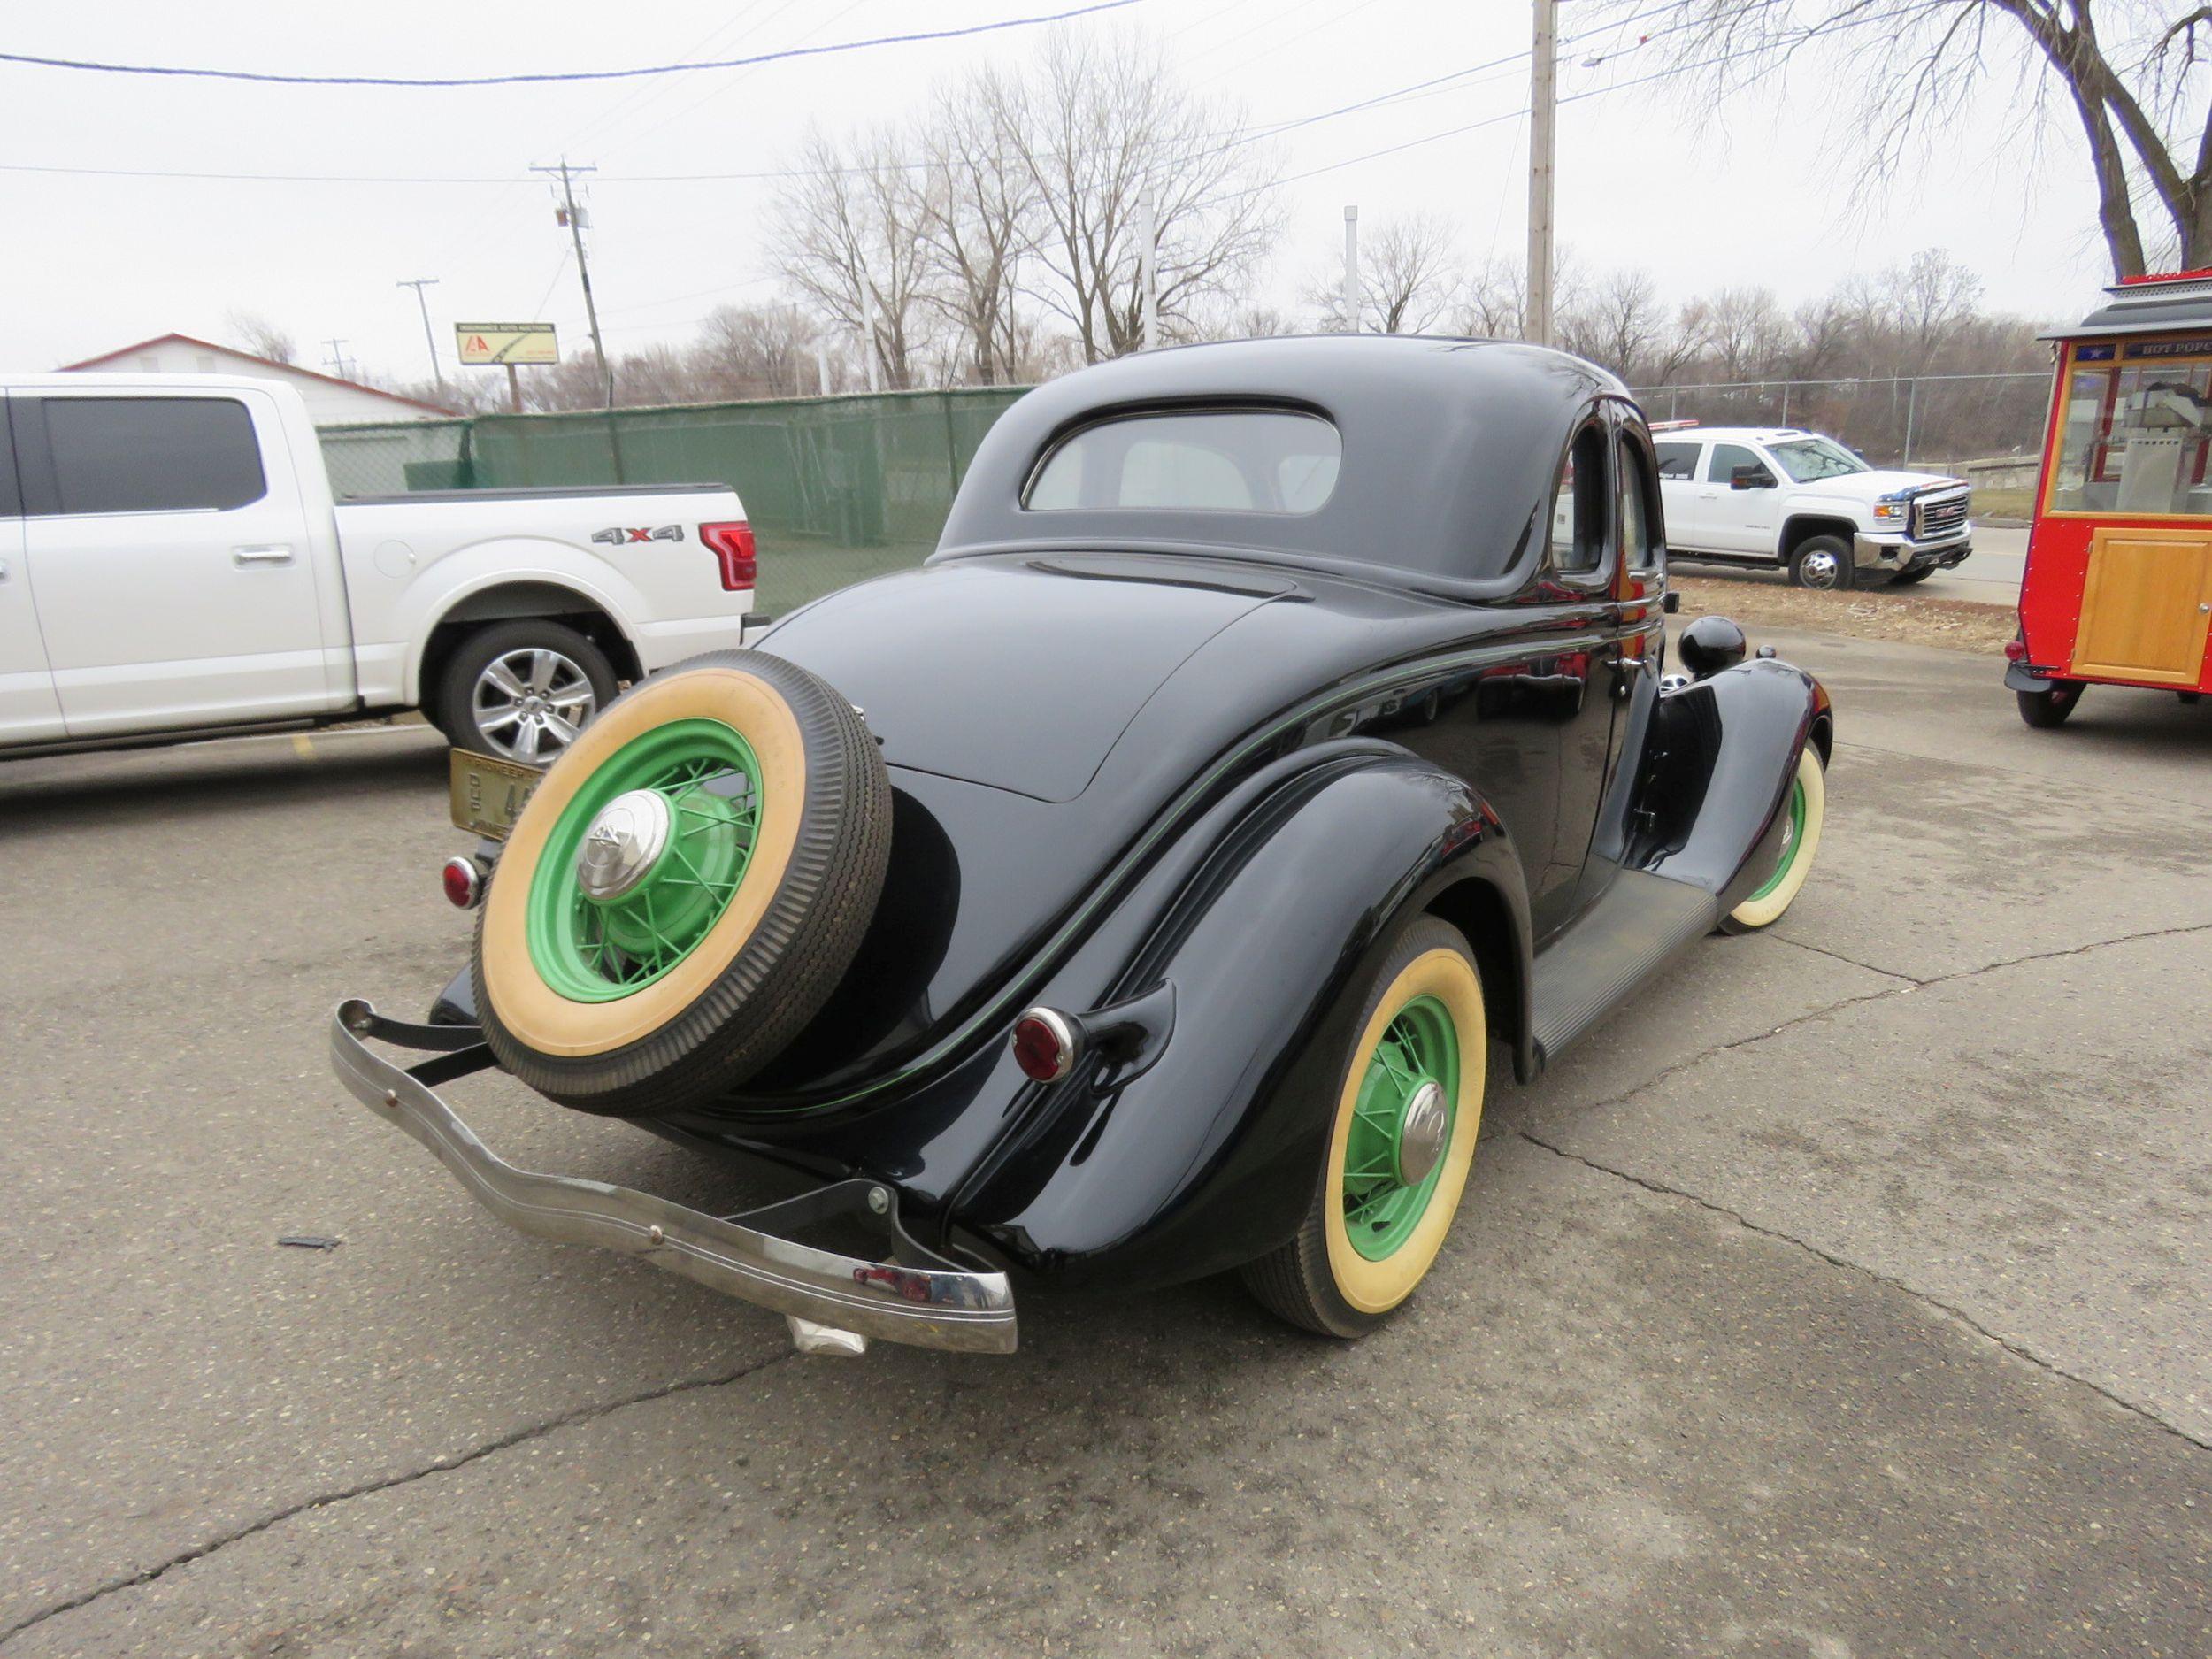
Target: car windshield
{"type": "Point", "coordinates": [1806, 459]}
{"type": "Point", "coordinates": [1248, 460]}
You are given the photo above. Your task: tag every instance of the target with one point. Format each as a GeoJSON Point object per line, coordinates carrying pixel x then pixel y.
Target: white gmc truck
{"type": "Point", "coordinates": [172, 566]}
{"type": "Point", "coordinates": [1775, 495]}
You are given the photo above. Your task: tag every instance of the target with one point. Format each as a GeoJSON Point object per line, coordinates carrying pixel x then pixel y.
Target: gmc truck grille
{"type": "Point", "coordinates": [1939, 516]}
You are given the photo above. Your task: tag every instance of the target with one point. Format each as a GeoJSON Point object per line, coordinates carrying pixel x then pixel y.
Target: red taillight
{"type": "Point", "coordinates": [1045, 1045]}
{"type": "Point", "coordinates": [462, 881]}
{"type": "Point", "coordinates": [2016, 650]}
{"type": "Point", "coordinates": [732, 544]}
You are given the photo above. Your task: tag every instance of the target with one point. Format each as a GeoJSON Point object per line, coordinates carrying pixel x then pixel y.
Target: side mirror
{"type": "Point", "coordinates": [1750, 477]}
{"type": "Point", "coordinates": [1711, 644]}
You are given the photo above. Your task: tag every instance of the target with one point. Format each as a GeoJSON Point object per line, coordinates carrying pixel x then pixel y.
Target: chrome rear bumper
{"type": "Point", "coordinates": [834, 1302]}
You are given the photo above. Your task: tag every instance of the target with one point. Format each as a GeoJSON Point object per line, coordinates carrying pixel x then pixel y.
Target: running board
{"type": "Point", "coordinates": [1620, 942]}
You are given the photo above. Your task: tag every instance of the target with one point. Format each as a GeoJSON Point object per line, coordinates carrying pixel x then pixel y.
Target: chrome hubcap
{"type": "Point", "coordinates": [1820, 570]}
{"type": "Point", "coordinates": [531, 704]}
{"type": "Point", "coordinates": [1421, 1135]}
{"type": "Point", "coordinates": [624, 841]}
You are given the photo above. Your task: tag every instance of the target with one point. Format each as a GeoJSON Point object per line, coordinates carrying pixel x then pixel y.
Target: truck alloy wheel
{"type": "Point", "coordinates": [1401, 1143]}
{"type": "Point", "coordinates": [685, 889]}
{"type": "Point", "coordinates": [523, 690]}
{"type": "Point", "coordinates": [1805, 810]}
{"type": "Point", "coordinates": [1822, 561]}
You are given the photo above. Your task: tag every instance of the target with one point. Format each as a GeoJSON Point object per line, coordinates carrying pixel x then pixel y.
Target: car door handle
{"type": "Point", "coordinates": [3, 570]}
{"type": "Point", "coordinates": [273, 554]}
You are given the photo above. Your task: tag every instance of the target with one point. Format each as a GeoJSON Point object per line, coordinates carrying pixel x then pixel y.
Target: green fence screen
{"type": "Point", "coordinates": [836, 489]}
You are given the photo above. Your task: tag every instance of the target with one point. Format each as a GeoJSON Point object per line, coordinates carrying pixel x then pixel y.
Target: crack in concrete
{"type": "Point", "coordinates": [1849, 962]}
{"type": "Point", "coordinates": [369, 1489]}
{"type": "Point", "coordinates": [1926, 1298]}
{"type": "Point", "coordinates": [1907, 985]}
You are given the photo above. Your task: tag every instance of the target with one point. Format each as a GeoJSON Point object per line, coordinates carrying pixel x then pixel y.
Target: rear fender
{"type": "Point", "coordinates": [1205, 1155]}
{"type": "Point", "coordinates": [1720, 757]}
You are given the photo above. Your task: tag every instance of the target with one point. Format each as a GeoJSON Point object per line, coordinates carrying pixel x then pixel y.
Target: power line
{"type": "Point", "coordinates": [1234, 136]}
{"type": "Point", "coordinates": [271, 79]}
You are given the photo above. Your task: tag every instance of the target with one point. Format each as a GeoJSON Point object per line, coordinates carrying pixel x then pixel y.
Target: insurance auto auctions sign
{"type": "Point", "coordinates": [506, 343]}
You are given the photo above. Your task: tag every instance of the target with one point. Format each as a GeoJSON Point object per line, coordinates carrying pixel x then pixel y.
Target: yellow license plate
{"type": "Point", "coordinates": [488, 794]}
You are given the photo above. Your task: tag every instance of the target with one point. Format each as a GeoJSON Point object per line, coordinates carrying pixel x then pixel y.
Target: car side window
{"type": "Point", "coordinates": [1678, 461]}
{"type": "Point", "coordinates": [1636, 510]}
{"type": "Point", "coordinates": [151, 454]}
{"type": "Point", "coordinates": [1578, 506]}
{"type": "Point", "coordinates": [1721, 465]}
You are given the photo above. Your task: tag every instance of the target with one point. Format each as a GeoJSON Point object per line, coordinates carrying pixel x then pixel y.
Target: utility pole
{"type": "Point", "coordinates": [337, 358]}
{"type": "Point", "coordinates": [1149, 265]}
{"type": "Point", "coordinates": [573, 216]}
{"type": "Point", "coordinates": [428, 339]}
{"type": "Point", "coordinates": [821, 364]}
{"type": "Point", "coordinates": [1543, 105]}
{"type": "Point", "coordinates": [1350, 300]}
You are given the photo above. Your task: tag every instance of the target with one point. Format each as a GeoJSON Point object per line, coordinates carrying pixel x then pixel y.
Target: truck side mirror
{"type": "Point", "coordinates": [1750, 477]}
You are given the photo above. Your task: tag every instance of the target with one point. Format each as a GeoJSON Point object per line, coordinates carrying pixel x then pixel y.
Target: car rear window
{"type": "Point", "coordinates": [153, 454]}
{"type": "Point", "coordinates": [1226, 460]}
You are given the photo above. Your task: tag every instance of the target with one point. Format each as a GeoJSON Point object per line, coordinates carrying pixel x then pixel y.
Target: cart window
{"type": "Point", "coordinates": [2134, 437]}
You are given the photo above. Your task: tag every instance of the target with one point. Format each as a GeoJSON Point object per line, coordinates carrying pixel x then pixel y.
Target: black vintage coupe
{"type": "Point", "coordinates": [1140, 889]}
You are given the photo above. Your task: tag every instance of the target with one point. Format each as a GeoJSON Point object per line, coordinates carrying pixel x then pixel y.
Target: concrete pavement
{"type": "Point", "coordinates": [1844, 1296]}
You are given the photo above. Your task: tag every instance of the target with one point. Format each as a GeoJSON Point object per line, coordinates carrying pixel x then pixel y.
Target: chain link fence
{"type": "Point", "coordinates": [1930, 421]}
{"type": "Point", "coordinates": [836, 489]}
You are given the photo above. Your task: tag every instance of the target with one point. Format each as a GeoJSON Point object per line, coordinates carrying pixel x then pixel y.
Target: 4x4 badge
{"type": "Point", "coordinates": [617, 536]}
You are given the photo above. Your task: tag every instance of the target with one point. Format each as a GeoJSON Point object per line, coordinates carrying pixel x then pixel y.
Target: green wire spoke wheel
{"type": "Point", "coordinates": [1407, 1112]}
{"type": "Point", "coordinates": [685, 889]}
{"type": "Point", "coordinates": [1802, 817]}
{"type": "Point", "coordinates": [644, 860]}
{"type": "Point", "coordinates": [1402, 1123]}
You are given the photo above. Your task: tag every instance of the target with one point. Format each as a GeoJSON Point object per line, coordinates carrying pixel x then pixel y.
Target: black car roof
{"type": "Point", "coordinates": [1450, 449]}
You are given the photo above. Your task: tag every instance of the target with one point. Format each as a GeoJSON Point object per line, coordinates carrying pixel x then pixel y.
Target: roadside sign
{"type": "Point", "coordinates": [506, 343]}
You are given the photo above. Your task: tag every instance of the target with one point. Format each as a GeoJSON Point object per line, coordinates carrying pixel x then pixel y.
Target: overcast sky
{"type": "Point", "coordinates": [1758, 191]}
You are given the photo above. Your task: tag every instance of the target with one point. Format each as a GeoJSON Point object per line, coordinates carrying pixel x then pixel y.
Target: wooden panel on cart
{"type": "Point", "coordinates": [2146, 604]}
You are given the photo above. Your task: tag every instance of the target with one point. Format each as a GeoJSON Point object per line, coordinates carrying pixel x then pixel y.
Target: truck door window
{"type": "Point", "coordinates": [1678, 461]}
{"type": "Point", "coordinates": [1720, 467]}
{"type": "Point", "coordinates": [151, 454]}
{"type": "Point", "coordinates": [10, 503]}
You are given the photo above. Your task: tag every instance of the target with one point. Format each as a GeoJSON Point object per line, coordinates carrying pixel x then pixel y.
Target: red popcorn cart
{"type": "Point", "coordinates": [2118, 587]}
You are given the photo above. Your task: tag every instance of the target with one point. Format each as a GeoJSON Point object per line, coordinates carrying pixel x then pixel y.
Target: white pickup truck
{"type": "Point", "coordinates": [171, 566]}
{"type": "Point", "coordinates": [1773, 495]}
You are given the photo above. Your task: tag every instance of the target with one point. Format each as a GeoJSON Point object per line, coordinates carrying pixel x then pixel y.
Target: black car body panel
{"type": "Point", "coordinates": [1205, 761]}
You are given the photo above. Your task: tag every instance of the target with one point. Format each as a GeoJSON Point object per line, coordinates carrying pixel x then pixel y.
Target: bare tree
{"type": "Point", "coordinates": [979, 215]}
{"type": "Point", "coordinates": [1410, 277]}
{"type": "Point", "coordinates": [755, 351]}
{"type": "Point", "coordinates": [1744, 330]}
{"type": "Point", "coordinates": [1104, 122]}
{"type": "Point", "coordinates": [2134, 75]}
{"type": "Point", "coordinates": [847, 233]}
{"type": "Point", "coordinates": [1620, 322]}
{"type": "Point", "coordinates": [1494, 304]}
{"type": "Point", "coordinates": [258, 334]}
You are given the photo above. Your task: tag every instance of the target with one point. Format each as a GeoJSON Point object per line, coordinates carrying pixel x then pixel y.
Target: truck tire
{"type": "Point", "coordinates": [522, 690]}
{"type": "Point", "coordinates": [1822, 562]}
{"type": "Point", "coordinates": [684, 889]}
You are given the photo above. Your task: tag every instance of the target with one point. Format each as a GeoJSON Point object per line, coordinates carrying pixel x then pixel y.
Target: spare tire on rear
{"type": "Point", "coordinates": [685, 889]}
